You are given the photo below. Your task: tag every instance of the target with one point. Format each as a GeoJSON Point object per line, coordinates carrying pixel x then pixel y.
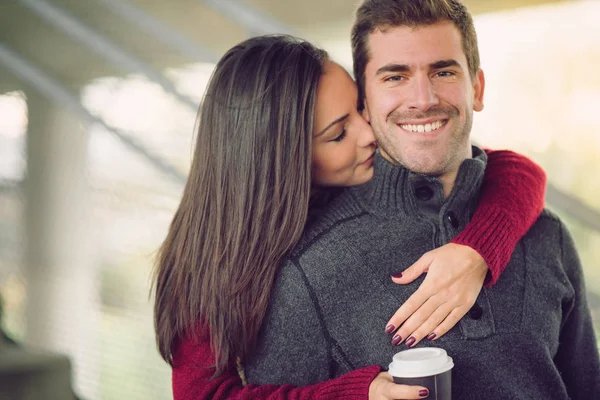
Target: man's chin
{"type": "Point", "coordinates": [425, 170]}
{"type": "Point", "coordinates": [424, 167]}
{"type": "Point", "coordinates": [420, 162]}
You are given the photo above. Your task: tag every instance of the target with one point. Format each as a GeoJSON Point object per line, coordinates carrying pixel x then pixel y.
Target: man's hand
{"type": "Point", "coordinates": [455, 276]}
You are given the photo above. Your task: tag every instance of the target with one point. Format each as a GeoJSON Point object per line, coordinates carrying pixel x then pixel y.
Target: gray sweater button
{"type": "Point", "coordinates": [423, 192]}
{"type": "Point", "coordinates": [475, 312]}
{"type": "Point", "coordinates": [452, 218]}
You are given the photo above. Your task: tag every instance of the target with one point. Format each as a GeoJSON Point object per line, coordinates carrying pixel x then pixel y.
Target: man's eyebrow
{"type": "Point", "coordinates": [444, 64]}
{"type": "Point", "coordinates": [337, 121]}
{"type": "Point", "coordinates": [393, 68]}
{"type": "Point", "coordinates": [405, 68]}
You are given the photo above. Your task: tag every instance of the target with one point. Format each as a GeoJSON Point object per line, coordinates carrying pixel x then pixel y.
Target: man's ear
{"type": "Point", "coordinates": [478, 89]}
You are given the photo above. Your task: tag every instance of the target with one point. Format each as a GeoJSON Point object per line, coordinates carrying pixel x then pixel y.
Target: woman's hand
{"type": "Point", "coordinates": [455, 275]}
{"type": "Point", "coordinates": [384, 388]}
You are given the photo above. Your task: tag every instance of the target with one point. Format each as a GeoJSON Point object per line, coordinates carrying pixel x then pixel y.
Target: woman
{"type": "Point", "coordinates": [268, 157]}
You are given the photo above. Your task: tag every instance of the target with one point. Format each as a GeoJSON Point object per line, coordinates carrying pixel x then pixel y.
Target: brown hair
{"type": "Point", "coordinates": [375, 15]}
{"type": "Point", "coordinates": [246, 199]}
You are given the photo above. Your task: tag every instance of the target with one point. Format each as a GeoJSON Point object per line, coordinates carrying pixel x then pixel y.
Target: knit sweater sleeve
{"type": "Point", "coordinates": [512, 199]}
{"type": "Point", "coordinates": [577, 357]}
{"type": "Point", "coordinates": [193, 369]}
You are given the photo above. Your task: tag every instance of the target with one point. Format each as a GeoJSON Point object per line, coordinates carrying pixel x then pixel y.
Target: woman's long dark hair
{"type": "Point", "coordinates": [246, 199]}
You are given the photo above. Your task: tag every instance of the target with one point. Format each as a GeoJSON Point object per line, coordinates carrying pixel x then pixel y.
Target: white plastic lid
{"type": "Point", "coordinates": [424, 361]}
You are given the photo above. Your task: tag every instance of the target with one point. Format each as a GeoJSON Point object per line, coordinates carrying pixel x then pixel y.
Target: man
{"type": "Point", "coordinates": [529, 337]}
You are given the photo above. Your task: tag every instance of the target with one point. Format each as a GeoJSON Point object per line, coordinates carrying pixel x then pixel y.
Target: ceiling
{"type": "Point", "coordinates": [75, 41]}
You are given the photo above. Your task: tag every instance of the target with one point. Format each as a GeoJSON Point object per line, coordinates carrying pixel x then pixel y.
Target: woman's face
{"type": "Point", "coordinates": [343, 142]}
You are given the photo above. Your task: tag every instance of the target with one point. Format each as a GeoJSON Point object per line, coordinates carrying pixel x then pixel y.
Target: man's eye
{"type": "Point", "coordinates": [339, 137]}
{"type": "Point", "coordinates": [444, 74]}
{"type": "Point", "coordinates": [393, 78]}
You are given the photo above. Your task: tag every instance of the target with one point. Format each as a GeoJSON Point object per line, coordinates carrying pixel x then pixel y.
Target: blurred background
{"type": "Point", "coordinates": [97, 106]}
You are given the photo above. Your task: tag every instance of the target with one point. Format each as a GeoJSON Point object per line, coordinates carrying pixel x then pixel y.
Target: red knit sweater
{"type": "Point", "coordinates": [512, 199]}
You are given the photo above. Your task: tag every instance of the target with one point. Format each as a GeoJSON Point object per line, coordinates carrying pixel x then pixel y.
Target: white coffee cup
{"type": "Point", "coordinates": [430, 367]}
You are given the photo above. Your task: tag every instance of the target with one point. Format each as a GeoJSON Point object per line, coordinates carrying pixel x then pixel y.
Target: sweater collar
{"type": "Point", "coordinates": [396, 189]}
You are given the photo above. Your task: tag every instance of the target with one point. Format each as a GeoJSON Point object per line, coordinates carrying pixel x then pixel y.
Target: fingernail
{"type": "Point", "coordinates": [397, 276]}
{"type": "Point", "coordinates": [396, 339]}
{"type": "Point", "coordinates": [390, 328]}
{"type": "Point", "coordinates": [410, 341]}
{"type": "Point", "coordinates": [431, 336]}
{"type": "Point", "coordinates": [424, 393]}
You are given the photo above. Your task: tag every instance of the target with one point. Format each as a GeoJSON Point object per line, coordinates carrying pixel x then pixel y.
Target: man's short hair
{"type": "Point", "coordinates": [373, 15]}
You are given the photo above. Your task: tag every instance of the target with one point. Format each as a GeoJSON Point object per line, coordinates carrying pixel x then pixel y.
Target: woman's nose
{"type": "Point", "coordinates": [366, 138]}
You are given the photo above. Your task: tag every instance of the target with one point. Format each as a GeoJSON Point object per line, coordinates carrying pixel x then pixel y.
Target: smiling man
{"type": "Point", "coordinates": [421, 95]}
{"type": "Point", "coordinates": [529, 336]}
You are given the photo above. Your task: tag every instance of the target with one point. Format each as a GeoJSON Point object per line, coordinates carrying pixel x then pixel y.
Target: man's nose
{"type": "Point", "coordinates": [423, 94]}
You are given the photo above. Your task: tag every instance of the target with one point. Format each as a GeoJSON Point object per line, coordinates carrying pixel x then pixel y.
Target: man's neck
{"type": "Point", "coordinates": [447, 179]}
{"type": "Point", "coordinates": [395, 188]}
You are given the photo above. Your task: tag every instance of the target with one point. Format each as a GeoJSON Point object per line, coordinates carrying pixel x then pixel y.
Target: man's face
{"type": "Point", "coordinates": [420, 97]}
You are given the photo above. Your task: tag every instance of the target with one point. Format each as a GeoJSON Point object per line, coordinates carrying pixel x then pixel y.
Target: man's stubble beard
{"type": "Point", "coordinates": [425, 158]}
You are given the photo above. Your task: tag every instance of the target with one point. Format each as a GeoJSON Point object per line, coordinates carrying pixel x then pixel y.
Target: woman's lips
{"type": "Point", "coordinates": [368, 160]}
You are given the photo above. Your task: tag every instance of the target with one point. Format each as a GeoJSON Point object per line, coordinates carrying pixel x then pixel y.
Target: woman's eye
{"type": "Point", "coordinates": [340, 136]}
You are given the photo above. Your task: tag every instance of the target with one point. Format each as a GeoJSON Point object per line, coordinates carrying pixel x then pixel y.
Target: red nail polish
{"type": "Point", "coordinates": [424, 393]}
{"type": "Point", "coordinates": [397, 276]}
{"type": "Point", "coordinates": [431, 336]}
{"type": "Point", "coordinates": [396, 340]}
{"type": "Point", "coordinates": [390, 328]}
{"type": "Point", "coordinates": [410, 341]}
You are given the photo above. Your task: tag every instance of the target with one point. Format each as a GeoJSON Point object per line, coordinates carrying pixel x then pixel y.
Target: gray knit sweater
{"type": "Point", "coordinates": [528, 337]}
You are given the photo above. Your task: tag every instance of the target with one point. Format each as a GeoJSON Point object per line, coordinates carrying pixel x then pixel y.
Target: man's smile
{"type": "Point", "coordinates": [423, 127]}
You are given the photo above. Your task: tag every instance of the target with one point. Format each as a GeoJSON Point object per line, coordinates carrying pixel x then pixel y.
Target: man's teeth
{"type": "Point", "coordinates": [423, 128]}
